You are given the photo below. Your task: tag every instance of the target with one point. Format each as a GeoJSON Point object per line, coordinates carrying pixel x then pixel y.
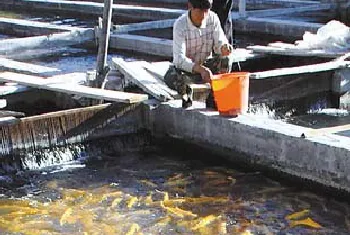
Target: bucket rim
{"type": "Point", "coordinates": [224, 75]}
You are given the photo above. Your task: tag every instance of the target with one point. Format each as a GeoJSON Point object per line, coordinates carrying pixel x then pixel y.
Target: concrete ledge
{"type": "Point", "coordinates": [272, 144]}
{"type": "Point", "coordinates": [286, 28]}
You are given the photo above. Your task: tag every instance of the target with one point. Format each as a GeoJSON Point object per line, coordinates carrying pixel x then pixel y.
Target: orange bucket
{"type": "Point", "coordinates": [231, 92]}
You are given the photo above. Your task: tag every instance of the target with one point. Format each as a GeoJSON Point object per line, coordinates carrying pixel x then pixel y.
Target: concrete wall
{"type": "Point", "coordinates": [265, 142]}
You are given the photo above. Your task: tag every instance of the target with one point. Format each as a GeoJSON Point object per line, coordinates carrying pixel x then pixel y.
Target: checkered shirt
{"type": "Point", "coordinates": [193, 44]}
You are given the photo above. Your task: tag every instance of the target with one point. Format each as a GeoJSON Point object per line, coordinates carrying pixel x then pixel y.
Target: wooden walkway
{"type": "Point", "coordinates": [71, 88]}
{"type": "Point", "coordinates": [137, 73]}
{"type": "Point", "coordinates": [149, 77]}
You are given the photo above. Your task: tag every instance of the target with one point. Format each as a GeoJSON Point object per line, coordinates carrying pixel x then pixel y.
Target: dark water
{"type": "Point", "coordinates": [163, 192]}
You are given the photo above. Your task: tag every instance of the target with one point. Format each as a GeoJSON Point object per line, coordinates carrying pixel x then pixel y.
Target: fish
{"type": "Point", "coordinates": [116, 202]}
{"type": "Point", "coordinates": [67, 217]}
{"type": "Point", "coordinates": [112, 194]}
{"type": "Point", "coordinates": [132, 202]}
{"type": "Point", "coordinates": [177, 211]}
{"type": "Point", "coordinates": [297, 215]}
{"type": "Point", "coordinates": [207, 199]}
{"type": "Point", "coordinates": [247, 232]}
{"type": "Point", "coordinates": [205, 221]}
{"type": "Point", "coordinates": [134, 229]}
{"type": "Point", "coordinates": [149, 183]}
{"type": "Point", "coordinates": [176, 177]}
{"type": "Point", "coordinates": [306, 222]}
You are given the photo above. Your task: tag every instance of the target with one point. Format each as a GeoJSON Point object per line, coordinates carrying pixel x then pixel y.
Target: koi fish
{"type": "Point", "coordinates": [297, 215]}
{"type": "Point", "coordinates": [177, 211]}
{"type": "Point", "coordinates": [205, 221]}
{"type": "Point", "coordinates": [134, 229]}
{"type": "Point", "coordinates": [306, 222]}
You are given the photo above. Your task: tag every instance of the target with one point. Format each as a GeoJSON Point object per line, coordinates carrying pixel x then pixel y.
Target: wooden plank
{"type": "Point", "coordinates": [75, 37]}
{"type": "Point", "coordinates": [3, 103]}
{"type": "Point", "coordinates": [296, 51]}
{"type": "Point", "coordinates": [75, 89]}
{"type": "Point", "coordinates": [143, 79]}
{"type": "Point", "coordinates": [5, 121]}
{"type": "Point", "coordinates": [32, 28]}
{"type": "Point", "coordinates": [288, 11]}
{"type": "Point", "coordinates": [160, 68]}
{"type": "Point", "coordinates": [67, 78]}
{"type": "Point", "coordinates": [282, 45]}
{"type": "Point", "coordinates": [8, 113]}
{"type": "Point", "coordinates": [157, 24]}
{"type": "Point", "coordinates": [327, 130]}
{"type": "Point", "coordinates": [8, 64]}
{"type": "Point", "coordinates": [12, 88]}
{"type": "Point", "coordinates": [44, 53]}
{"type": "Point", "coordinates": [314, 68]}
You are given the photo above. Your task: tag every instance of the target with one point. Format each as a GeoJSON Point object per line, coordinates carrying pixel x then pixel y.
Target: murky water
{"type": "Point", "coordinates": [160, 192]}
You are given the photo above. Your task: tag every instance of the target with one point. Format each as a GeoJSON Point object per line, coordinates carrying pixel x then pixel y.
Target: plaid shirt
{"type": "Point", "coordinates": [193, 44]}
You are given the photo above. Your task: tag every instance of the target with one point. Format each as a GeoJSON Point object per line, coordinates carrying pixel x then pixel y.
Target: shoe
{"type": "Point", "coordinates": [210, 102]}
{"type": "Point", "coordinates": [186, 103]}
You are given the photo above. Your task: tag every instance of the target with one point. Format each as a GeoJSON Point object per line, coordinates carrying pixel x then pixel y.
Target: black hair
{"type": "Point", "coordinates": [201, 4]}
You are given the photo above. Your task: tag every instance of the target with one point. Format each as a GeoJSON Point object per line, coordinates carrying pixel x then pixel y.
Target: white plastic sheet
{"type": "Point", "coordinates": [334, 35]}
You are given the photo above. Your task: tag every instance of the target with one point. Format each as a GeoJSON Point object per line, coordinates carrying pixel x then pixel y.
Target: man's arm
{"type": "Point", "coordinates": [221, 44]}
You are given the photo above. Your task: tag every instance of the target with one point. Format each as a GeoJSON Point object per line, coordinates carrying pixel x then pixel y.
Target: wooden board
{"type": "Point", "coordinates": [159, 69]}
{"type": "Point", "coordinates": [5, 121]}
{"type": "Point", "coordinates": [75, 37]}
{"type": "Point", "coordinates": [327, 130]}
{"type": "Point", "coordinates": [135, 72]}
{"type": "Point", "coordinates": [292, 50]}
{"type": "Point", "coordinates": [314, 68]}
{"type": "Point", "coordinates": [289, 11]}
{"type": "Point", "coordinates": [12, 88]}
{"type": "Point", "coordinates": [156, 24]}
{"type": "Point", "coordinates": [8, 64]}
{"type": "Point", "coordinates": [39, 82]}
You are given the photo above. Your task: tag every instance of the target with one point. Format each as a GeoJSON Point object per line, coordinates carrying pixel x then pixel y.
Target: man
{"type": "Point", "coordinates": [223, 9]}
{"type": "Point", "coordinates": [196, 35]}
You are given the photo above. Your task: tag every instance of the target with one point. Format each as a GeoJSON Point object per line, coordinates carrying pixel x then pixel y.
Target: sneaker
{"type": "Point", "coordinates": [186, 103]}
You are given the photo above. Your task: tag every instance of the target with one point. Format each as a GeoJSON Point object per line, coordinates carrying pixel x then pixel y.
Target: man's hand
{"type": "Point", "coordinates": [226, 49]}
{"type": "Point", "coordinates": [207, 75]}
{"type": "Point", "coordinates": [203, 71]}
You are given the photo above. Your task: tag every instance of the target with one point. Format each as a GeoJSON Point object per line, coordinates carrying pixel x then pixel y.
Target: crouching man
{"type": "Point", "coordinates": [200, 49]}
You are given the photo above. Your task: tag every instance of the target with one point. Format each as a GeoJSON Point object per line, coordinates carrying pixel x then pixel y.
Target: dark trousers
{"type": "Point", "coordinates": [223, 9]}
{"type": "Point", "coordinates": [179, 80]}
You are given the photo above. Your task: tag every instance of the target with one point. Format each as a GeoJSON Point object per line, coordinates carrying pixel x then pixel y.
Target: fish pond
{"type": "Point", "coordinates": [160, 189]}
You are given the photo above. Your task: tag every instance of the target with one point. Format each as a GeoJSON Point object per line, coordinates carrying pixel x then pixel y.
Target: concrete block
{"type": "Point", "coordinates": [341, 81]}
{"type": "Point", "coordinates": [268, 143]}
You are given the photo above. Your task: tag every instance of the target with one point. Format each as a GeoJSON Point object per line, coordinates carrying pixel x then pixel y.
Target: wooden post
{"type": "Point", "coordinates": [242, 8]}
{"type": "Point", "coordinates": [103, 38]}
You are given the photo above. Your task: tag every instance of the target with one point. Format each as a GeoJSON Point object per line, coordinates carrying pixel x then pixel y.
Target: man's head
{"type": "Point", "coordinates": [199, 10]}
{"type": "Point", "coordinates": [201, 4]}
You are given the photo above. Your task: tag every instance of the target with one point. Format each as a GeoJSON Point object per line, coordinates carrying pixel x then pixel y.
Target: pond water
{"type": "Point", "coordinates": [163, 191]}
